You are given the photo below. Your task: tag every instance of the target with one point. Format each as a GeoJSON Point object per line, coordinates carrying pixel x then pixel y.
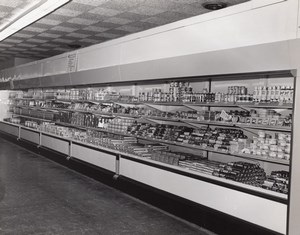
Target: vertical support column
{"type": "Point", "coordinates": [19, 133]}
{"type": "Point", "coordinates": [208, 108]}
{"type": "Point", "coordinates": [70, 150]}
{"type": "Point", "coordinates": [134, 90]}
{"type": "Point", "coordinates": [115, 177]}
{"type": "Point", "coordinates": [294, 192]}
{"type": "Point", "coordinates": [40, 140]}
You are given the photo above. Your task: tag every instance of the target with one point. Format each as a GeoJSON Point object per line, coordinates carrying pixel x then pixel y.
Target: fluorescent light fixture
{"type": "Point", "coordinates": [31, 13]}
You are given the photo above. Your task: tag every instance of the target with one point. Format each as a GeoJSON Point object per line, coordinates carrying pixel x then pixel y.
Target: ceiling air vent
{"type": "Point", "coordinates": [214, 5]}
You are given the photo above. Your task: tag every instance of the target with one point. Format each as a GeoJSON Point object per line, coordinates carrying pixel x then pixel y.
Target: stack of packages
{"type": "Point", "coordinates": [247, 173]}
{"type": "Point", "coordinates": [244, 172]}
{"type": "Point", "coordinates": [278, 181]}
{"type": "Point", "coordinates": [172, 157]}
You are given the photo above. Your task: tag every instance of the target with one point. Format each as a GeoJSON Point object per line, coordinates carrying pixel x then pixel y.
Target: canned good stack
{"type": "Point", "coordinates": [278, 181]}
{"type": "Point", "coordinates": [119, 124]}
{"type": "Point", "coordinates": [234, 94]}
{"type": "Point", "coordinates": [63, 94]}
{"type": "Point", "coordinates": [245, 172]}
{"type": "Point", "coordinates": [74, 94]}
{"type": "Point", "coordinates": [13, 120]}
{"type": "Point", "coordinates": [273, 94]}
{"type": "Point", "coordinates": [31, 124]}
{"type": "Point", "coordinates": [265, 145]}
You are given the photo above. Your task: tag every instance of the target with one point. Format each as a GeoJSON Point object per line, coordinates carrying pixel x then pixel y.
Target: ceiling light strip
{"type": "Point", "coordinates": [32, 16]}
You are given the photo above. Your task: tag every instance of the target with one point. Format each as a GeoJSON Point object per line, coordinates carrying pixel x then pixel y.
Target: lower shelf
{"type": "Point", "coordinates": [56, 144]}
{"type": "Point", "coordinates": [9, 128]}
{"type": "Point", "coordinates": [249, 207]}
{"type": "Point", "coordinates": [95, 157]}
{"type": "Point", "coordinates": [253, 209]}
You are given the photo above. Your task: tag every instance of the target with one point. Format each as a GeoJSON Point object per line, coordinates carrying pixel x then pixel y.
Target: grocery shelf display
{"type": "Point", "coordinates": [235, 137]}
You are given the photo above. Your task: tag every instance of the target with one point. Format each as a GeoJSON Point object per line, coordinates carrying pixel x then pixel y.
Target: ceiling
{"type": "Point", "coordinates": [88, 22]}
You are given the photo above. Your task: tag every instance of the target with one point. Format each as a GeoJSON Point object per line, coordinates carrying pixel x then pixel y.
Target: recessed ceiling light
{"type": "Point", "coordinates": [214, 5]}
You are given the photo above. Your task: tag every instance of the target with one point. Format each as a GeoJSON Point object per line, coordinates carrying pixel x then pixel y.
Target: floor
{"type": "Point", "coordinates": [39, 196]}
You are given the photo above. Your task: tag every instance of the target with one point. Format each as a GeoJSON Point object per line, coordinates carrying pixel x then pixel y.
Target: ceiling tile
{"type": "Point", "coordinates": [88, 22]}
{"type": "Point", "coordinates": [3, 14]}
{"type": "Point", "coordinates": [107, 35]}
{"type": "Point", "coordinates": [91, 2]}
{"type": "Point", "coordinates": [84, 32]}
{"type": "Point", "coordinates": [31, 52]}
{"type": "Point", "coordinates": [9, 52]}
{"type": "Point", "coordinates": [62, 49]}
{"type": "Point", "coordinates": [116, 20]}
{"type": "Point", "coordinates": [26, 45]}
{"type": "Point", "coordinates": [122, 5]}
{"type": "Point", "coordinates": [191, 10]}
{"type": "Point", "coordinates": [143, 25]}
{"type": "Point", "coordinates": [64, 29]}
{"type": "Point", "coordinates": [5, 8]}
{"type": "Point", "coordinates": [77, 35]}
{"type": "Point", "coordinates": [49, 35]}
{"type": "Point", "coordinates": [82, 21]}
{"type": "Point", "coordinates": [79, 7]}
{"type": "Point", "coordinates": [10, 40]}
{"type": "Point", "coordinates": [62, 40]}
{"type": "Point", "coordinates": [132, 16]}
{"type": "Point", "coordinates": [106, 25]}
{"type": "Point", "coordinates": [157, 20]}
{"type": "Point", "coordinates": [165, 18]}
{"type": "Point", "coordinates": [23, 35]}
{"type": "Point", "coordinates": [173, 16]}
{"type": "Point", "coordinates": [60, 18]}
{"type": "Point", "coordinates": [95, 29]}
{"type": "Point", "coordinates": [35, 29]}
{"type": "Point", "coordinates": [100, 39]}
{"type": "Point", "coordinates": [17, 49]}
{"type": "Point", "coordinates": [129, 28]}
{"type": "Point", "coordinates": [67, 12]}
{"type": "Point", "coordinates": [105, 11]}
{"type": "Point", "coordinates": [35, 40]}
{"type": "Point", "coordinates": [13, 4]}
{"type": "Point", "coordinates": [92, 16]}
{"type": "Point", "coordinates": [89, 40]}
{"type": "Point", "coordinates": [185, 2]}
{"type": "Point", "coordinates": [147, 11]}
{"type": "Point", "coordinates": [48, 21]}
{"type": "Point", "coordinates": [50, 45]}
{"type": "Point", "coordinates": [163, 5]}
{"type": "Point", "coordinates": [6, 45]}
{"type": "Point", "coordinates": [39, 49]}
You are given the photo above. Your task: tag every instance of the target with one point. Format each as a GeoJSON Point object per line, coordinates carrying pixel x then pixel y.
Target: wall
{"type": "Point", "coordinates": [252, 23]}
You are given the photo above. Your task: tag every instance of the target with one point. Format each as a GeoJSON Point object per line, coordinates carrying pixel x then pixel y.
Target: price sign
{"type": "Point", "coordinates": [72, 62]}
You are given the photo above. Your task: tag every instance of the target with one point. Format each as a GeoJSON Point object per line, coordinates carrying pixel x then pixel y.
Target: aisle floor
{"type": "Point", "coordinates": [39, 196]}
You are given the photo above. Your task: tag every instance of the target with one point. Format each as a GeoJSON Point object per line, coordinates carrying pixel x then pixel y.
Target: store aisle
{"type": "Point", "coordinates": [38, 196]}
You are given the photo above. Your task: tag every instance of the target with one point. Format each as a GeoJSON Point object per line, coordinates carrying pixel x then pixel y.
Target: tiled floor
{"type": "Point", "coordinates": [38, 196]}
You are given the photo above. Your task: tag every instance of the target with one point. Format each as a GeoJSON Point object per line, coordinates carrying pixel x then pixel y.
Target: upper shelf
{"type": "Point", "coordinates": [188, 104]}
{"type": "Point", "coordinates": [172, 119]}
{"type": "Point", "coordinates": [246, 156]}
